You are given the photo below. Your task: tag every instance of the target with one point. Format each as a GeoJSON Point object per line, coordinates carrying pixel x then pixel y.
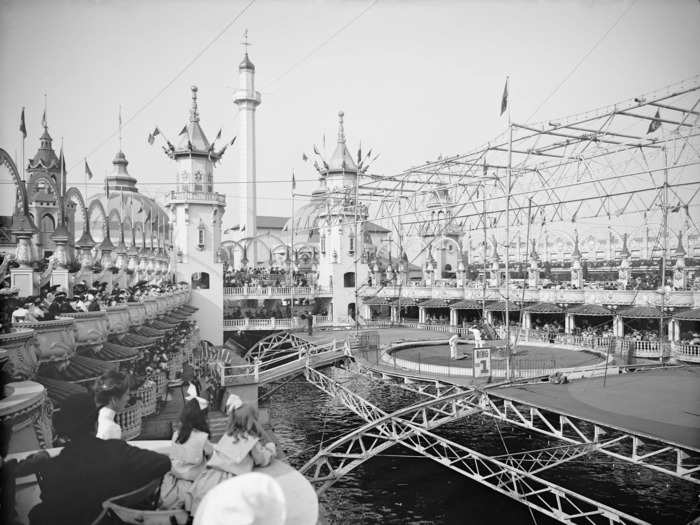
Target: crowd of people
{"type": "Point", "coordinates": [214, 482]}
{"type": "Point", "coordinates": [52, 301]}
{"type": "Point", "coordinates": [263, 277]}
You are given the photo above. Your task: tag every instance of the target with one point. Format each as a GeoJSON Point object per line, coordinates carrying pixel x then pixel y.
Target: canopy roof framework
{"type": "Point", "coordinates": [598, 166]}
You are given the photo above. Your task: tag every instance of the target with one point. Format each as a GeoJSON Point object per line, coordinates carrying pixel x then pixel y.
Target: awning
{"type": "Point", "coordinates": [59, 390]}
{"type": "Point", "coordinates": [80, 369]}
{"type": "Point", "coordinates": [405, 301]}
{"type": "Point", "coordinates": [590, 309]}
{"type": "Point", "coordinates": [149, 331]}
{"type": "Point", "coordinates": [166, 322]}
{"type": "Point", "coordinates": [688, 315]}
{"type": "Point", "coordinates": [132, 340]}
{"type": "Point", "coordinates": [376, 301]}
{"type": "Point", "coordinates": [545, 308]}
{"type": "Point", "coordinates": [435, 303]}
{"type": "Point", "coordinates": [116, 353]}
{"type": "Point", "coordinates": [467, 305]}
{"type": "Point", "coordinates": [500, 306]}
{"type": "Point", "coordinates": [643, 312]}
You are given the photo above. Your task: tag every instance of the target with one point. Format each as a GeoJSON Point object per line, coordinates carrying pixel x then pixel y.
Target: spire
{"type": "Point", "coordinates": [341, 130]}
{"type": "Point", "coordinates": [194, 112]}
{"type": "Point", "coordinates": [576, 254]}
{"type": "Point", "coordinates": [625, 252]}
{"type": "Point", "coordinates": [680, 251]}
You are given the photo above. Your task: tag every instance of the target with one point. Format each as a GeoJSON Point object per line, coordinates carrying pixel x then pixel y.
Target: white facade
{"type": "Point", "coordinates": [247, 100]}
{"type": "Point", "coordinates": [196, 212]}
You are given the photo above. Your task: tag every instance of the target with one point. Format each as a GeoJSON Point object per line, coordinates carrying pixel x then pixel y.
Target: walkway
{"type": "Point", "coordinates": [659, 403]}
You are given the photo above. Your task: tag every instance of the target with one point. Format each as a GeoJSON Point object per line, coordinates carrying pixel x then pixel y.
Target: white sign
{"type": "Point", "coordinates": [482, 362]}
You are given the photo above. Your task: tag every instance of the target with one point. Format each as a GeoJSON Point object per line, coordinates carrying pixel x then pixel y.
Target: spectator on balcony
{"type": "Point", "coordinates": [189, 451]}
{"type": "Point", "coordinates": [112, 396]}
{"type": "Point", "coordinates": [88, 470]}
{"type": "Point", "coordinates": [238, 451]}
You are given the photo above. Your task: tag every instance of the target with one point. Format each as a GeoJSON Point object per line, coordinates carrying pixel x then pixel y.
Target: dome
{"type": "Point", "coordinates": [341, 159]}
{"type": "Point", "coordinates": [246, 64]}
{"type": "Point", "coordinates": [192, 138]}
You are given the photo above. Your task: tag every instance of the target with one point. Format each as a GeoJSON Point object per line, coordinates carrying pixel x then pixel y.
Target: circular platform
{"type": "Point", "coordinates": [528, 356]}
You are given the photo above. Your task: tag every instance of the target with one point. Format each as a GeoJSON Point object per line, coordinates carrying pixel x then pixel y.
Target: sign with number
{"type": "Point", "coordinates": [482, 362]}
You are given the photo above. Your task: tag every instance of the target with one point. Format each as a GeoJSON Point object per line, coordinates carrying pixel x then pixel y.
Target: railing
{"type": "Point", "coordinates": [686, 352]}
{"type": "Point", "coordinates": [272, 323]}
{"type": "Point", "coordinates": [682, 298]}
{"type": "Point", "coordinates": [197, 195]}
{"type": "Point", "coordinates": [276, 291]}
{"type": "Point", "coordinates": [264, 370]}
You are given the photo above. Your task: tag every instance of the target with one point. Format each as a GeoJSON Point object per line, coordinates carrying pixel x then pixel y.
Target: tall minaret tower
{"type": "Point", "coordinates": [196, 212]}
{"type": "Point", "coordinates": [247, 99]}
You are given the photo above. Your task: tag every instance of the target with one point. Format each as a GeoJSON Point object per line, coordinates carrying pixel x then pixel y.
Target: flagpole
{"type": "Point", "coordinates": [663, 256]}
{"type": "Point", "coordinates": [291, 265]}
{"type": "Point", "coordinates": [23, 167]}
{"type": "Point", "coordinates": [508, 188]}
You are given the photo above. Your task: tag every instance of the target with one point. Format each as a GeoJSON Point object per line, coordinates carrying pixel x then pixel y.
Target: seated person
{"type": "Point", "coordinates": [88, 470]}
{"type": "Point", "coordinates": [189, 451]}
{"type": "Point", "coordinates": [111, 395]}
{"type": "Point", "coordinates": [238, 451]}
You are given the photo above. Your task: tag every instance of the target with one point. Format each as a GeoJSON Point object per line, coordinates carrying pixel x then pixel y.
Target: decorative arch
{"type": "Point", "coordinates": [96, 205]}
{"type": "Point", "coordinates": [114, 225]}
{"type": "Point", "coordinates": [74, 194]}
{"type": "Point", "coordinates": [22, 202]}
{"type": "Point", "coordinates": [137, 227]}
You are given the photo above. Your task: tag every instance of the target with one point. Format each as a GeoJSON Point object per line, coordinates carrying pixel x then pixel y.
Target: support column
{"type": "Point", "coordinates": [421, 314]}
{"type": "Point", "coordinates": [453, 317]}
{"type": "Point", "coordinates": [395, 313]}
{"type": "Point", "coordinates": [527, 320]}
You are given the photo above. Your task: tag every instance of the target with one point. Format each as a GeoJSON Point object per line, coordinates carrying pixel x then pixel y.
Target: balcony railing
{"type": "Point", "coordinates": [680, 299]}
{"type": "Point", "coordinates": [686, 352]}
{"type": "Point", "coordinates": [275, 324]}
{"type": "Point", "coordinates": [277, 291]}
{"type": "Point", "coordinates": [197, 196]}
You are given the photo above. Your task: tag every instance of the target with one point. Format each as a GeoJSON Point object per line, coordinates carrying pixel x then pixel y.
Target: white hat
{"type": "Point", "coordinates": [232, 403]}
{"type": "Point", "coordinates": [248, 499]}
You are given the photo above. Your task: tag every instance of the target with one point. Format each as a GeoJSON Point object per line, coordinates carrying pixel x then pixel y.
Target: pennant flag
{"type": "Point", "coordinates": [485, 168]}
{"type": "Point", "coordinates": [88, 171]}
{"type": "Point", "coordinates": [316, 150]}
{"type": "Point", "coordinates": [62, 161]}
{"type": "Point", "coordinates": [156, 132]}
{"type": "Point", "coordinates": [304, 157]}
{"type": "Point", "coordinates": [324, 141]}
{"type": "Point", "coordinates": [294, 182]}
{"type": "Point", "coordinates": [221, 151]}
{"type": "Point", "coordinates": [232, 141]}
{"type": "Point", "coordinates": [655, 124]}
{"type": "Point", "coordinates": [107, 189]}
{"type": "Point", "coordinates": [504, 98]}
{"type": "Point", "coordinates": [676, 208]}
{"type": "Point", "coordinates": [151, 138]}
{"type": "Point", "coordinates": [43, 119]}
{"type": "Point", "coordinates": [218, 135]}
{"type": "Point", "coordinates": [183, 131]}
{"type": "Point", "coordinates": [22, 125]}
{"type": "Point", "coordinates": [359, 154]}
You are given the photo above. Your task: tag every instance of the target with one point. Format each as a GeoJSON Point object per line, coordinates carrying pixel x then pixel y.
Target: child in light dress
{"type": "Point", "coordinates": [112, 396]}
{"type": "Point", "coordinates": [189, 451]}
{"type": "Point", "coordinates": [244, 446]}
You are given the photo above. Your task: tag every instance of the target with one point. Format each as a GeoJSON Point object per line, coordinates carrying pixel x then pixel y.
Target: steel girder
{"type": "Point", "coordinates": [276, 345]}
{"type": "Point", "coordinates": [595, 166]}
{"type": "Point", "coordinates": [675, 460]}
{"type": "Point", "coordinates": [679, 461]}
{"type": "Point", "coordinates": [544, 496]}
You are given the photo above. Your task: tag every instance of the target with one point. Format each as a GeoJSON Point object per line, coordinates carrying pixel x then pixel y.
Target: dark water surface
{"type": "Point", "coordinates": [398, 486]}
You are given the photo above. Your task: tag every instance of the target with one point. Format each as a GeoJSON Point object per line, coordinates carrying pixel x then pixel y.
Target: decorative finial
{"type": "Point", "coordinates": [194, 113]}
{"type": "Point", "coordinates": [680, 251]}
{"type": "Point", "coordinates": [341, 130]}
{"type": "Point", "coordinates": [577, 252]}
{"type": "Point", "coordinates": [245, 42]}
{"type": "Point", "coordinates": [120, 127]}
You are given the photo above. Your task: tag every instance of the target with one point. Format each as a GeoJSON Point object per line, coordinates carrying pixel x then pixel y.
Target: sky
{"type": "Point", "coordinates": [416, 79]}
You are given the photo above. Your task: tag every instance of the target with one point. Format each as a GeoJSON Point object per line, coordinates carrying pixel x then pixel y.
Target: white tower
{"type": "Point", "coordinates": [196, 212]}
{"type": "Point", "coordinates": [343, 262]}
{"type": "Point", "coordinates": [247, 99]}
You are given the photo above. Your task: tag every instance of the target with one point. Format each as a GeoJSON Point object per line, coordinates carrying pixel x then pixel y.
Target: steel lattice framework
{"type": "Point", "coordinates": [383, 430]}
{"type": "Point", "coordinates": [276, 345]}
{"type": "Point", "coordinates": [589, 169]}
{"type": "Point", "coordinates": [676, 460]}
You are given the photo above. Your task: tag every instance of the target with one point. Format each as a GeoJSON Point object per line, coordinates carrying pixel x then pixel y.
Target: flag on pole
{"type": "Point", "coordinates": [294, 182]}
{"type": "Point", "coordinates": [156, 132]}
{"type": "Point", "coordinates": [107, 190]}
{"type": "Point", "coordinates": [218, 135]}
{"type": "Point", "coordinates": [655, 124]}
{"type": "Point", "coordinates": [304, 157]}
{"type": "Point", "coordinates": [151, 138]}
{"type": "Point", "coordinates": [88, 171]}
{"type": "Point", "coordinates": [504, 98]}
{"type": "Point", "coordinates": [43, 119]}
{"type": "Point", "coordinates": [232, 141]}
{"type": "Point", "coordinates": [22, 125]}
{"type": "Point", "coordinates": [485, 169]}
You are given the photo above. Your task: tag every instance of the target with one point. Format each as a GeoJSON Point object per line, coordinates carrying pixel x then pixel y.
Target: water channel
{"type": "Point", "coordinates": [400, 487]}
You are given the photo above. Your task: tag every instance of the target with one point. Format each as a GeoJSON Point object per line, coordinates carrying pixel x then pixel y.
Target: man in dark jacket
{"type": "Point", "coordinates": [88, 470]}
